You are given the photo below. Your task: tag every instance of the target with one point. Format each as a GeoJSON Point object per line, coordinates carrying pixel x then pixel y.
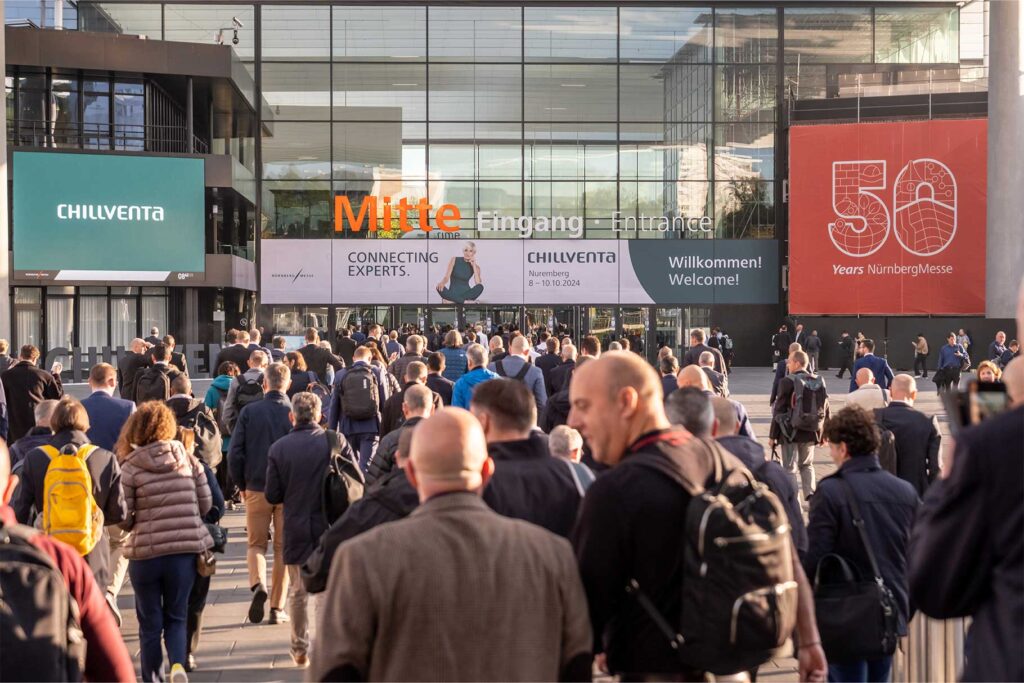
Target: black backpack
{"type": "Point", "coordinates": [343, 481]}
{"type": "Point", "coordinates": [39, 629]}
{"type": "Point", "coordinates": [249, 391]}
{"type": "Point", "coordinates": [739, 593]}
{"type": "Point", "coordinates": [208, 439]}
{"type": "Point", "coordinates": [887, 456]}
{"type": "Point", "coordinates": [520, 376]}
{"type": "Point", "coordinates": [152, 385]}
{"type": "Point", "coordinates": [218, 412]}
{"type": "Point", "coordinates": [360, 395]}
{"type": "Point", "coordinates": [807, 409]}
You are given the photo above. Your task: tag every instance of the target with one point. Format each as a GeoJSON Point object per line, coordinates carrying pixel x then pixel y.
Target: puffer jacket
{"type": "Point", "coordinates": [167, 494]}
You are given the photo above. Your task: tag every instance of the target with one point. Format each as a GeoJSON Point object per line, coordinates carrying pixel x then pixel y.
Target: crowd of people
{"type": "Point", "coordinates": [517, 506]}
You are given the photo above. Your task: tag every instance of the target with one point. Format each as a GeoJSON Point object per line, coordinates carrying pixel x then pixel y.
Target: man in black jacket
{"type": "Point", "coordinates": [150, 380]}
{"type": "Point", "coordinates": [176, 359]}
{"type": "Point", "coordinates": [628, 527]}
{"type": "Point", "coordinates": [797, 447]}
{"type": "Point", "coordinates": [237, 351]}
{"type": "Point", "coordinates": [418, 402]}
{"type": "Point", "coordinates": [561, 375]}
{"type": "Point", "coordinates": [549, 361]}
{"type": "Point", "coordinates": [291, 460]}
{"type": "Point", "coordinates": [134, 361]}
{"type": "Point", "coordinates": [346, 346]}
{"type": "Point", "coordinates": [846, 351]}
{"type": "Point", "coordinates": [436, 382]}
{"type": "Point", "coordinates": [317, 359]}
{"type": "Point", "coordinates": [697, 347]}
{"type": "Point", "coordinates": [528, 483]}
{"type": "Point", "coordinates": [25, 386]}
{"type": "Point", "coordinates": [393, 497]}
{"type": "Point", "coordinates": [917, 435]}
{"type": "Point", "coordinates": [719, 382]}
{"type": "Point", "coordinates": [259, 425]}
{"type": "Point", "coordinates": [391, 415]}
{"type": "Point", "coordinates": [812, 345]}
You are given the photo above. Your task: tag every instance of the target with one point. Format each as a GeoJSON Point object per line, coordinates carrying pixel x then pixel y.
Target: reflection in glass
{"type": "Point", "coordinates": [687, 93]}
{"type": "Point", "coordinates": [64, 110]}
{"type": "Point", "coordinates": [745, 209]}
{"type": "Point", "coordinates": [917, 35]}
{"type": "Point", "coordinates": [123, 323]}
{"type": "Point", "coordinates": [475, 92]}
{"type": "Point", "coordinates": [745, 93]}
{"type": "Point", "coordinates": [154, 312]}
{"type": "Point", "coordinates": [744, 150]}
{"type": "Point", "coordinates": [570, 93]}
{"type": "Point", "coordinates": [60, 322]}
{"type": "Point", "coordinates": [376, 150]}
{"type": "Point", "coordinates": [297, 90]}
{"type": "Point", "coordinates": [297, 210]}
{"type": "Point", "coordinates": [129, 116]}
{"type": "Point", "coordinates": [832, 35]}
{"type": "Point", "coordinates": [746, 35]}
{"type": "Point", "coordinates": [656, 34]}
{"type": "Point", "coordinates": [379, 34]}
{"type": "Point", "coordinates": [297, 151]}
{"type": "Point", "coordinates": [110, 17]}
{"type": "Point", "coordinates": [806, 81]}
{"type": "Point", "coordinates": [205, 23]}
{"type": "Point", "coordinates": [380, 92]}
{"type": "Point", "coordinates": [296, 32]}
{"type": "Point", "coordinates": [484, 34]}
{"type": "Point", "coordinates": [92, 311]}
{"type": "Point", "coordinates": [554, 34]}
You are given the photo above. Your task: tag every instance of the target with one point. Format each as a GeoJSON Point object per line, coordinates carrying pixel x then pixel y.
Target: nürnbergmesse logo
{"type": "Point", "coordinates": [109, 212]}
{"type": "Point", "coordinates": [924, 207]}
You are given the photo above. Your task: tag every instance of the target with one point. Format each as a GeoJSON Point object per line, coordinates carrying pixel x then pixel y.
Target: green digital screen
{"type": "Point", "coordinates": [110, 216]}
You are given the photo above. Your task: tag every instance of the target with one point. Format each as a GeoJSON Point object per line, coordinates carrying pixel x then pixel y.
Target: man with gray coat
{"type": "Point", "coordinates": [517, 366]}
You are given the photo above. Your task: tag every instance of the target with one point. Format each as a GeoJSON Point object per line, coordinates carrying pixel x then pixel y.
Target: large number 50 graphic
{"type": "Point", "coordinates": [924, 207]}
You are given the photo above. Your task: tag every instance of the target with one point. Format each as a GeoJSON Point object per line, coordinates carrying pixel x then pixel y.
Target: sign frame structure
{"type": "Point", "coordinates": [888, 218]}
{"type": "Point", "coordinates": [448, 272]}
{"type": "Point", "coordinates": [81, 217]}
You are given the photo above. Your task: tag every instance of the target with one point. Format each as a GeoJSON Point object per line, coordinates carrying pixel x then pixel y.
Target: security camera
{"type": "Point", "coordinates": [237, 22]}
{"type": "Point", "coordinates": [234, 38]}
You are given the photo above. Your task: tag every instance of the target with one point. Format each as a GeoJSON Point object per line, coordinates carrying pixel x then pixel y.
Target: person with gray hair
{"type": "Point", "coordinates": [244, 389]}
{"type": "Point", "coordinates": [413, 354]}
{"type": "Point", "coordinates": [496, 348]}
{"type": "Point", "coordinates": [565, 443]}
{"type": "Point", "coordinates": [261, 424]}
{"type": "Point", "coordinates": [39, 435]}
{"type": "Point", "coordinates": [294, 464]}
{"type": "Point", "coordinates": [690, 408]}
{"type": "Point", "coordinates": [719, 381]}
{"type": "Point", "coordinates": [417, 403]}
{"type": "Point", "coordinates": [477, 372]}
{"type": "Point", "coordinates": [391, 415]}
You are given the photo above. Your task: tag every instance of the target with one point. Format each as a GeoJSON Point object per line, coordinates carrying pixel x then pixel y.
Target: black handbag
{"type": "Point", "coordinates": [219, 535]}
{"type": "Point", "coordinates": [857, 617]}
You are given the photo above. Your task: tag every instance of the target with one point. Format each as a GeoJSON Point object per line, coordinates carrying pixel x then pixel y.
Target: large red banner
{"type": "Point", "coordinates": [888, 218]}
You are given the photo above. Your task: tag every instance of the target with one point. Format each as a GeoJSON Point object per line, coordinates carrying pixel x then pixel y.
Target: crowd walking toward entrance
{"type": "Point", "coordinates": [506, 504]}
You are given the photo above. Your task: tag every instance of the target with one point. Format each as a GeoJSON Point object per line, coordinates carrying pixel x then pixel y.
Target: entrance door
{"type": "Point", "coordinates": [601, 324]}
{"type": "Point", "coordinates": [668, 330]}
{"type": "Point", "coordinates": [490, 317]}
{"type": "Point", "coordinates": [635, 324]}
{"type": "Point", "coordinates": [415, 316]}
{"type": "Point", "coordinates": [442, 316]}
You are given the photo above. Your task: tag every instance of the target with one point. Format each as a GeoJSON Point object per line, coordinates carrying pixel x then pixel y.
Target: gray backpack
{"type": "Point", "coordinates": [39, 629]}
{"type": "Point", "coordinates": [807, 411]}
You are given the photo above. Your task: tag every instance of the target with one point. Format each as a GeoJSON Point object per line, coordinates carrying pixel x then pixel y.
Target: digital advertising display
{"type": "Point", "coordinates": [888, 218]}
{"type": "Point", "coordinates": [90, 217]}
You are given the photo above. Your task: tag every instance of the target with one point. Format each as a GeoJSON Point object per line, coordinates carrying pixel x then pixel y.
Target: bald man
{"type": "Point", "coordinates": [628, 527]}
{"type": "Point", "coordinates": [517, 366]}
{"type": "Point", "coordinates": [869, 395]}
{"type": "Point", "coordinates": [502, 595]}
{"type": "Point", "coordinates": [694, 376]}
{"type": "Point", "coordinates": [129, 365]}
{"type": "Point", "coordinates": [916, 435]}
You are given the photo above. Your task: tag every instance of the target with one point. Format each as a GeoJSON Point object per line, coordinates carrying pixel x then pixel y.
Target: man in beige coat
{"type": "Point", "coordinates": [454, 591]}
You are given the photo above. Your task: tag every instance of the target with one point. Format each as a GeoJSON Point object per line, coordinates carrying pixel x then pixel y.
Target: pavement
{"type": "Point", "coordinates": [232, 650]}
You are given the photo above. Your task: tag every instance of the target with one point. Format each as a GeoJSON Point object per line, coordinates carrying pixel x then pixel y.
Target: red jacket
{"type": "Point", "coordinates": [106, 656]}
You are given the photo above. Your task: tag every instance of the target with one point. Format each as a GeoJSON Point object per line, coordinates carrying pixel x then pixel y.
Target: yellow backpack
{"type": "Point", "coordinates": [70, 512]}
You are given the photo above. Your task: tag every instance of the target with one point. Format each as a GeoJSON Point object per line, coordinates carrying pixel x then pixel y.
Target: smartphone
{"type": "Point", "coordinates": [975, 404]}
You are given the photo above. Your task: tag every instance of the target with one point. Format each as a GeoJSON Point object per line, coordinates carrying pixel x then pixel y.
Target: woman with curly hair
{"type": "Point", "coordinates": [167, 494]}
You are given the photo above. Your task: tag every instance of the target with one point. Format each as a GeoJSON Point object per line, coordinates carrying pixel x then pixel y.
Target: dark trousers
{"type": "Point", "coordinates": [162, 586]}
{"type": "Point", "coordinates": [365, 445]}
{"type": "Point", "coordinates": [227, 486]}
{"type": "Point", "coordinates": [863, 671]}
{"type": "Point", "coordinates": [946, 379]}
{"type": "Point", "coordinates": [844, 365]}
{"type": "Point", "coordinates": [194, 618]}
{"type": "Point", "coordinates": [921, 361]}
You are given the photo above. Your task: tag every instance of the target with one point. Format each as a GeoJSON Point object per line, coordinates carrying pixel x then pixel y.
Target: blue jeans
{"type": "Point", "coordinates": [863, 671]}
{"type": "Point", "coordinates": [365, 445]}
{"type": "Point", "coordinates": [162, 586]}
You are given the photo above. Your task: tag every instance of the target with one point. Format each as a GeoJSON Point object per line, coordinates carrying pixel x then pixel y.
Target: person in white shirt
{"type": "Point", "coordinates": [868, 394]}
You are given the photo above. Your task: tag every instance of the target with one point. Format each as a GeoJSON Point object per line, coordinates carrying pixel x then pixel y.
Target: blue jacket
{"type": "Point", "coordinates": [877, 365]}
{"type": "Point", "coordinates": [259, 425]}
{"type": "Point", "coordinates": [455, 364]}
{"type": "Point", "coordinates": [107, 416]}
{"type": "Point", "coordinates": [463, 391]}
{"type": "Point", "coordinates": [534, 379]}
{"type": "Point", "coordinates": [888, 504]}
{"type": "Point", "coordinates": [294, 478]}
{"type": "Point", "coordinates": [217, 504]}
{"type": "Point", "coordinates": [947, 356]}
{"type": "Point", "coordinates": [340, 422]}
